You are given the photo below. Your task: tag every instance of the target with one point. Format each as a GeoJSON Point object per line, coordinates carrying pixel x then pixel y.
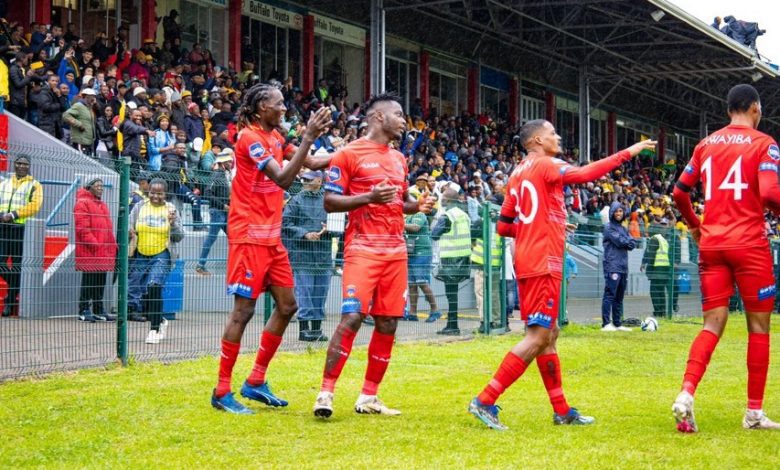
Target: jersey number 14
{"type": "Point", "coordinates": [732, 181]}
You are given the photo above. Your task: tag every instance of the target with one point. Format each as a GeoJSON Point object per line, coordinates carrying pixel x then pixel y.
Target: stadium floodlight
{"type": "Point", "coordinates": [757, 76]}
{"type": "Point", "coordinates": [657, 15]}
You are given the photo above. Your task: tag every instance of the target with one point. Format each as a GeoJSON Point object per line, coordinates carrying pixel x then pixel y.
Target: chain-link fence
{"type": "Point", "coordinates": [97, 254]}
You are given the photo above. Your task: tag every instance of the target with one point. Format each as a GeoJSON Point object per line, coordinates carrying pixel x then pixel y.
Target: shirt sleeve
{"type": "Point", "coordinates": [768, 182]}
{"type": "Point", "coordinates": [337, 179]}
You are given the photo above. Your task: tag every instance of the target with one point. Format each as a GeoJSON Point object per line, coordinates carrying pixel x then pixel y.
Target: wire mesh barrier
{"type": "Point", "coordinates": [99, 254]}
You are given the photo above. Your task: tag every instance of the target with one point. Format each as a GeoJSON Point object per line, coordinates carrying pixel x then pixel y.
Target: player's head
{"type": "Point", "coordinates": [264, 105]}
{"type": "Point", "coordinates": [743, 100]}
{"type": "Point", "coordinates": [386, 116]}
{"type": "Point", "coordinates": [540, 136]}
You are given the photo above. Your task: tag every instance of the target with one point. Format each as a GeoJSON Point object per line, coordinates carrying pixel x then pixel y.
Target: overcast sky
{"type": "Point", "coordinates": [765, 12]}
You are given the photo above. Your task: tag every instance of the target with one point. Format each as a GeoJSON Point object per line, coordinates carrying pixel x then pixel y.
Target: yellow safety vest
{"type": "Point", "coordinates": [662, 255]}
{"type": "Point", "coordinates": [457, 242]}
{"type": "Point", "coordinates": [14, 199]}
{"type": "Point", "coordinates": [477, 257]}
{"type": "Point", "coordinates": [153, 229]}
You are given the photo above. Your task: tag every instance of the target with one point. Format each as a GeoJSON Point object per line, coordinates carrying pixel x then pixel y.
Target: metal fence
{"type": "Point", "coordinates": [77, 248]}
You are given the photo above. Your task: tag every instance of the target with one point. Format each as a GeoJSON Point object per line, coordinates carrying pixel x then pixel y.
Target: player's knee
{"type": "Point", "coordinates": [242, 314]}
{"type": "Point", "coordinates": [288, 308]}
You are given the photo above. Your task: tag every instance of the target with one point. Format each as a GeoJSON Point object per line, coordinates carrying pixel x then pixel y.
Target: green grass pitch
{"type": "Point", "coordinates": [155, 415]}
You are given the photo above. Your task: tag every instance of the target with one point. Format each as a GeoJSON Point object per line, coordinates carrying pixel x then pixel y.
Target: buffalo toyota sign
{"type": "Point", "coordinates": [339, 31]}
{"type": "Point", "coordinates": [271, 14]}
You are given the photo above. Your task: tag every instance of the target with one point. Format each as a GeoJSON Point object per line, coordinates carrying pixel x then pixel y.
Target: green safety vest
{"type": "Point", "coordinates": [478, 250]}
{"type": "Point", "coordinates": [11, 200]}
{"type": "Point", "coordinates": [662, 255]}
{"type": "Point", "coordinates": [457, 242]}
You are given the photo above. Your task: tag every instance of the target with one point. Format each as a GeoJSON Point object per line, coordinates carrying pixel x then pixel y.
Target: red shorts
{"type": "Point", "coordinates": [251, 268]}
{"type": "Point", "coordinates": [374, 287]}
{"type": "Point", "coordinates": [750, 268]}
{"type": "Point", "coordinates": [539, 297]}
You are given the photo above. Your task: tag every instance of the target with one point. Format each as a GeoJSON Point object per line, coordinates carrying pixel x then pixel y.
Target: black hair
{"type": "Point", "coordinates": [529, 130]}
{"type": "Point", "coordinates": [382, 98]}
{"type": "Point", "coordinates": [159, 181]}
{"type": "Point", "coordinates": [257, 93]}
{"type": "Point", "coordinates": [741, 98]}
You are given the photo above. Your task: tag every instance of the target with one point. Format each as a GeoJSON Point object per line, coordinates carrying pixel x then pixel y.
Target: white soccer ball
{"type": "Point", "coordinates": [650, 324]}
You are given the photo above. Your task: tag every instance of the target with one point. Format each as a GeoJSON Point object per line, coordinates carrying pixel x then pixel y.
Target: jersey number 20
{"type": "Point", "coordinates": [526, 187]}
{"type": "Point", "coordinates": [732, 181]}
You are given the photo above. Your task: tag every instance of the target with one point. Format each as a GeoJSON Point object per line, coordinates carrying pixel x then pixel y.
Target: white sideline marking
{"type": "Point", "coordinates": [55, 265]}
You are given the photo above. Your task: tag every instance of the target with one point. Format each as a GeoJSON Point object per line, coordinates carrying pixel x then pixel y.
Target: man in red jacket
{"type": "Point", "coordinates": [95, 249]}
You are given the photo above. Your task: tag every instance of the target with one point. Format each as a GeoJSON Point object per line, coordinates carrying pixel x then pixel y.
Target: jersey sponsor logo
{"type": "Point", "coordinates": [766, 292]}
{"type": "Point", "coordinates": [727, 139]}
{"type": "Point", "coordinates": [350, 305]}
{"type": "Point", "coordinates": [239, 289]}
{"type": "Point", "coordinates": [369, 165]}
{"type": "Point", "coordinates": [767, 166]}
{"type": "Point", "coordinates": [334, 173]}
{"type": "Point", "coordinates": [774, 152]}
{"type": "Point", "coordinates": [688, 169]}
{"type": "Point", "coordinates": [540, 319]}
{"type": "Point", "coordinates": [333, 188]}
{"type": "Point", "coordinates": [256, 150]}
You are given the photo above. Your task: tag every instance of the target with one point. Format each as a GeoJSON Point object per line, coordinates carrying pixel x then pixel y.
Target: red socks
{"type": "Point", "coordinates": [757, 366]}
{"type": "Point", "coordinates": [379, 351]}
{"type": "Point", "coordinates": [337, 357]}
{"type": "Point", "coordinates": [269, 343]}
{"type": "Point", "coordinates": [698, 358]}
{"type": "Point", "coordinates": [550, 369]}
{"type": "Point", "coordinates": [227, 359]}
{"type": "Point", "coordinates": [511, 368]}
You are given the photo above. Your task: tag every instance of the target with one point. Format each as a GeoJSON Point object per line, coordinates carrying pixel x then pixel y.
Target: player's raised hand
{"type": "Point", "coordinates": [639, 146]}
{"type": "Point", "coordinates": [425, 203]}
{"type": "Point", "coordinates": [318, 124]}
{"type": "Point", "coordinates": [384, 192]}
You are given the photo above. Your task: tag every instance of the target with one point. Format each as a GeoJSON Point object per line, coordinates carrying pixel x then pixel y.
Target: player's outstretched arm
{"type": "Point", "coordinates": [382, 193]}
{"type": "Point", "coordinates": [591, 171]}
{"type": "Point", "coordinates": [317, 125]}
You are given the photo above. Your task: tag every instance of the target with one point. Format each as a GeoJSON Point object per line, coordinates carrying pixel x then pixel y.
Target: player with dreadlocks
{"type": "Point", "coordinates": [257, 260]}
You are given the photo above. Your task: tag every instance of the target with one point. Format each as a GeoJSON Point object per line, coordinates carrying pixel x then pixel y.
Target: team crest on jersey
{"type": "Point", "coordinates": [688, 169]}
{"type": "Point", "coordinates": [351, 291]}
{"type": "Point", "coordinates": [774, 152]}
{"type": "Point", "coordinates": [249, 275]}
{"type": "Point", "coordinates": [256, 150]}
{"type": "Point", "coordinates": [334, 174]}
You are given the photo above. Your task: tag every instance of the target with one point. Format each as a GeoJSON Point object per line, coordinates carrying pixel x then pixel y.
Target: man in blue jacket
{"type": "Point", "coordinates": [617, 244]}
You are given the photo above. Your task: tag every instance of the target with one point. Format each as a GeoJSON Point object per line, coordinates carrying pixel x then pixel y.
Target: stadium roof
{"type": "Point", "coordinates": [646, 57]}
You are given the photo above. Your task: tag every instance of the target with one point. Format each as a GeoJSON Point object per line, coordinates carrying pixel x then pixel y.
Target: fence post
{"type": "Point", "coordinates": [267, 306]}
{"type": "Point", "coordinates": [563, 319]}
{"type": "Point", "coordinates": [487, 285]}
{"type": "Point", "coordinates": [672, 281]}
{"type": "Point", "coordinates": [502, 285]}
{"type": "Point", "coordinates": [122, 228]}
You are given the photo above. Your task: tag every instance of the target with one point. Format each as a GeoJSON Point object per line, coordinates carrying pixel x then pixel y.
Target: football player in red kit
{"type": "Point", "coordinates": [737, 167]}
{"type": "Point", "coordinates": [257, 260]}
{"type": "Point", "coordinates": [369, 179]}
{"type": "Point", "coordinates": [534, 214]}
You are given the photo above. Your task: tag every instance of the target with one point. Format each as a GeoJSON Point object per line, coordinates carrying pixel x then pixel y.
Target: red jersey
{"type": "Point", "coordinates": [535, 198]}
{"type": "Point", "coordinates": [373, 231]}
{"type": "Point", "coordinates": [728, 163]}
{"type": "Point", "coordinates": [256, 201]}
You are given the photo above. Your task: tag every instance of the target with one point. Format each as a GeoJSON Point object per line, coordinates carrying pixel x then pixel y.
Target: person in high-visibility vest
{"type": "Point", "coordinates": [657, 265]}
{"type": "Point", "coordinates": [21, 197]}
{"type": "Point", "coordinates": [453, 232]}
{"type": "Point", "coordinates": [478, 271]}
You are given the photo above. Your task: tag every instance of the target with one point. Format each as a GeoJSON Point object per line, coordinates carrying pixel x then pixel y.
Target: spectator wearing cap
{"type": "Point", "coordinates": [308, 242]}
{"type": "Point", "coordinates": [96, 250]}
{"type": "Point", "coordinates": [193, 123]}
{"type": "Point", "coordinates": [657, 264]}
{"type": "Point", "coordinates": [161, 143]}
{"type": "Point", "coordinates": [21, 197]}
{"type": "Point", "coordinates": [81, 119]}
{"type": "Point", "coordinates": [139, 96]}
{"type": "Point", "coordinates": [217, 194]}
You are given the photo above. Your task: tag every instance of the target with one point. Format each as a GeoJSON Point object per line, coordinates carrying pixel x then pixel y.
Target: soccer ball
{"type": "Point", "coordinates": [650, 324]}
